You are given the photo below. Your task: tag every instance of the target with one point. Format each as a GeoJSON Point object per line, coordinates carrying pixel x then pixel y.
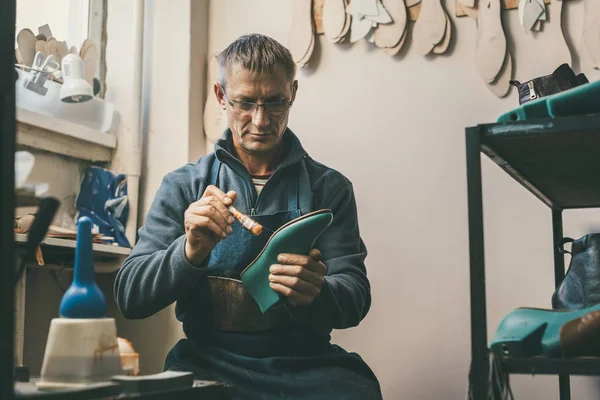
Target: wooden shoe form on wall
{"type": "Point", "coordinates": [389, 35]}
{"type": "Point", "coordinates": [491, 42]}
{"type": "Point", "coordinates": [554, 32]}
{"type": "Point", "coordinates": [430, 27]}
{"type": "Point", "coordinates": [442, 47]}
{"type": "Point", "coordinates": [590, 42]}
{"type": "Point", "coordinates": [501, 86]}
{"type": "Point", "coordinates": [301, 38]}
{"type": "Point", "coordinates": [334, 19]}
{"type": "Point", "coordinates": [392, 51]}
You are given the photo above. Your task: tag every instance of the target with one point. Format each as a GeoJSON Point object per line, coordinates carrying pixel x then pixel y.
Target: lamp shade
{"type": "Point", "coordinates": [75, 88]}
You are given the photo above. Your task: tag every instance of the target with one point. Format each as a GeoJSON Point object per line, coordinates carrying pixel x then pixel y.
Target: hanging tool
{"type": "Point", "coordinates": [37, 232]}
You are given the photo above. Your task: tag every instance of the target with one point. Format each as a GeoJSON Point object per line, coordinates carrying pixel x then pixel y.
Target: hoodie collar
{"type": "Point", "coordinates": [292, 149]}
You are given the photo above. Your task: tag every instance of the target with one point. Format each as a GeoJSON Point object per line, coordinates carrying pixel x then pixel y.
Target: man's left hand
{"type": "Point", "coordinates": [299, 278]}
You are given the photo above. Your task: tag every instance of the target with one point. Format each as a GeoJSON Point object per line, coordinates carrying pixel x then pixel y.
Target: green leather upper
{"type": "Point", "coordinates": [580, 100]}
{"type": "Point", "coordinates": [532, 331]}
{"type": "Point", "coordinates": [296, 237]}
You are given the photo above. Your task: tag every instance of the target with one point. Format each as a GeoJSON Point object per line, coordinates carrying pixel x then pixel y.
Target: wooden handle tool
{"type": "Point", "coordinates": [248, 223]}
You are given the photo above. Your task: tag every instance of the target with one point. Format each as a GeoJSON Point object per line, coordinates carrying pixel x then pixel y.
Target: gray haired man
{"type": "Point", "coordinates": [191, 250]}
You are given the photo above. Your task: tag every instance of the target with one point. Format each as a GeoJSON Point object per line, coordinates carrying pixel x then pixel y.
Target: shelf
{"type": "Point", "coordinates": [26, 198]}
{"type": "Point", "coordinates": [103, 250]}
{"type": "Point", "coordinates": [208, 390]}
{"type": "Point", "coordinates": [555, 159]}
{"type": "Point", "coordinates": [60, 252]}
{"type": "Point", "coordinates": [66, 138]}
{"type": "Point", "coordinates": [553, 366]}
{"type": "Point", "coordinates": [100, 390]}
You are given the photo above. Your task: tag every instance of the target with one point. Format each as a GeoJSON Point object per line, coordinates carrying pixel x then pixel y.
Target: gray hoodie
{"type": "Point", "coordinates": [157, 272]}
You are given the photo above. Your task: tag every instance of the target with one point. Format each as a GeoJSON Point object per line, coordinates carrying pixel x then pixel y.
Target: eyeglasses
{"type": "Point", "coordinates": [247, 107]}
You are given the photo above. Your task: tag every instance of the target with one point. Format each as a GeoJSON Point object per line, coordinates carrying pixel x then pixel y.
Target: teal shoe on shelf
{"type": "Point", "coordinates": [296, 237]}
{"type": "Point", "coordinates": [527, 332]}
{"type": "Point", "coordinates": [581, 100]}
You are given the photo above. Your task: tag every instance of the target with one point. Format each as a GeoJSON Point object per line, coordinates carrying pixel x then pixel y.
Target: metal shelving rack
{"type": "Point", "coordinates": [557, 161]}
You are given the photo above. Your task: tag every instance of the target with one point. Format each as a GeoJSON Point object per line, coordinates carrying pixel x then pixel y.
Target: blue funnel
{"type": "Point", "coordinates": [83, 299]}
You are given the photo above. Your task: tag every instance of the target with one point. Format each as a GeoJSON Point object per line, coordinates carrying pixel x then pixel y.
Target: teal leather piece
{"type": "Point", "coordinates": [296, 237]}
{"type": "Point", "coordinates": [581, 100]}
{"type": "Point", "coordinates": [527, 332]}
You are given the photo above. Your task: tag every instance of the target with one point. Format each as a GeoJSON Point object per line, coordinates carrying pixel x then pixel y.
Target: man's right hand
{"type": "Point", "coordinates": [207, 222]}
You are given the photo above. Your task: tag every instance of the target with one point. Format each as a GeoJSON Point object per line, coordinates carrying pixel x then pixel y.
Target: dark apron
{"type": "Point", "coordinates": [233, 309]}
{"type": "Point", "coordinates": [291, 360]}
{"type": "Point", "coordinates": [240, 248]}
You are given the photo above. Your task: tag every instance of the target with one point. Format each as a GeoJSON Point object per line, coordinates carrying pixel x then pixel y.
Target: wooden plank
{"type": "Point", "coordinates": [63, 137]}
{"type": "Point", "coordinates": [506, 5]}
{"type": "Point", "coordinates": [67, 128]}
{"type": "Point", "coordinates": [47, 140]}
{"type": "Point", "coordinates": [413, 12]}
{"type": "Point", "coordinates": [99, 249]}
{"type": "Point", "coordinates": [318, 15]}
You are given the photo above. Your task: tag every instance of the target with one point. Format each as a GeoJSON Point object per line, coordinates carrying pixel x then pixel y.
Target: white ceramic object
{"type": "Point", "coordinates": [80, 351]}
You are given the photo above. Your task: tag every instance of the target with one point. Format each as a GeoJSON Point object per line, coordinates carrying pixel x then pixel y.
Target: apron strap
{"type": "Point", "coordinates": [293, 195]}
{"type": "Point", "coordinates": [305, 195]}
{"type": "Point", "coordinates": [214, 173]}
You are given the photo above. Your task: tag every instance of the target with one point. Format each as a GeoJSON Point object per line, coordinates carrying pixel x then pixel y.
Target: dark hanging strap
{"type": "Point", "coordinates": [561, 245]}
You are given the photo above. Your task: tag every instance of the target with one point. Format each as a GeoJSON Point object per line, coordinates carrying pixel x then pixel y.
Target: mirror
{"type": "Point", "coordinates": [70, 21]}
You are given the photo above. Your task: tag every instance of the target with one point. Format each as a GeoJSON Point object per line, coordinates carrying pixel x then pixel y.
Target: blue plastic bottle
{"type": "Point", "coordinates": [83, 299]}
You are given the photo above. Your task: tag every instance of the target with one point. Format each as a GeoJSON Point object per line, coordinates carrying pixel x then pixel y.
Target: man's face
{"type": "Point", "coordinates": [259, 129]}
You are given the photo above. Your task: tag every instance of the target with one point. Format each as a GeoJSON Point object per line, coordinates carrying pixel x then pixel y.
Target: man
{"type": "Point", "coordinates": [191, 249]}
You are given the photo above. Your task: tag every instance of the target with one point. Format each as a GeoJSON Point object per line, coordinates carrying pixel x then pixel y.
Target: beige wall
{"type": "Point", "coordinates": [395, 127]}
